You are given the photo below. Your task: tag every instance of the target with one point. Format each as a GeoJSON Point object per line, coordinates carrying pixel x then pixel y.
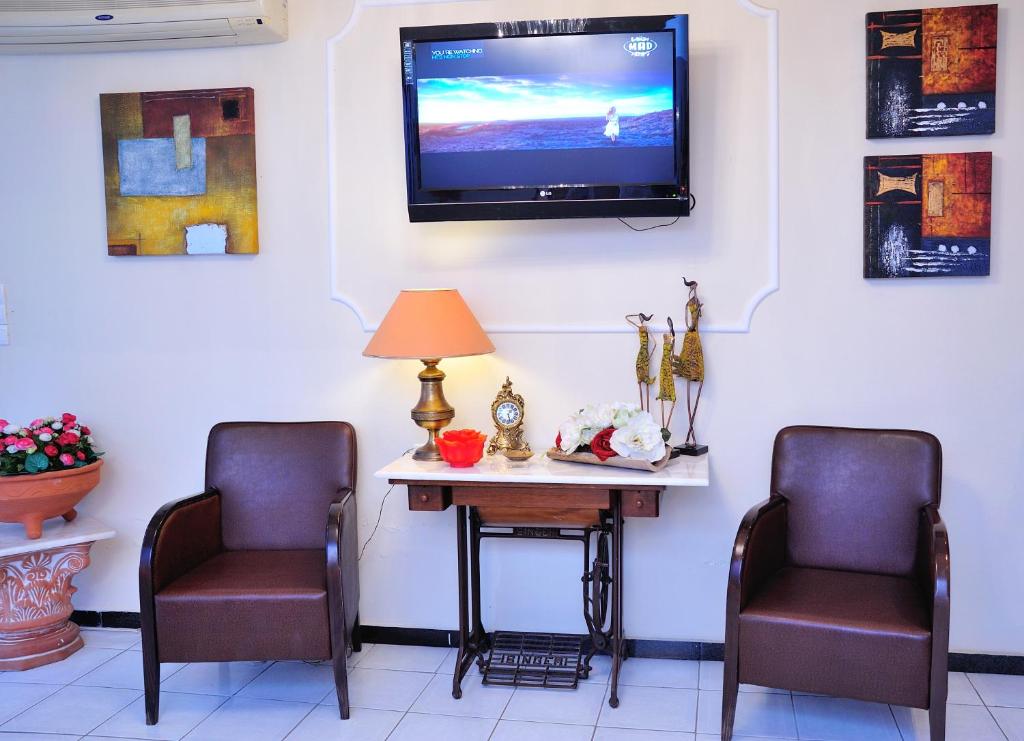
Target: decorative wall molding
{"type": "Point", "coordinates": [740, 325]}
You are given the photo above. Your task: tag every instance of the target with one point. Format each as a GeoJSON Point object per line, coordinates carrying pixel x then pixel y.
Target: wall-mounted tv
{"type": "Point", "coordinates": [583, 117]}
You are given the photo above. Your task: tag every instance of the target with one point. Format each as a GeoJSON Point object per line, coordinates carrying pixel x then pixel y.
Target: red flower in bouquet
{"type": "Point", "coordinates": [601, 444]}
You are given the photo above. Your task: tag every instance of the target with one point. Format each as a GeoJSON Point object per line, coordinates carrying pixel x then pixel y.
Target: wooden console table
{"type": "Point", "coordinates": [541, 499]}
{"type": "Point", "coordinates": [35, 600]}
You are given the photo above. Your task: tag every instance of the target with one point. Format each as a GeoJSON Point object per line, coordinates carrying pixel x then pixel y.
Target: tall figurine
{"type": "Point", "coordinates": [643, 357]}
{"type": "Point", "coordinates": [690, 365]}
{"type": "Point", "coordinates": [667, 381]}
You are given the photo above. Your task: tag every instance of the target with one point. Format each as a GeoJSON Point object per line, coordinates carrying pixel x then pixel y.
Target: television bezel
{"type": "Point", "coordinates": [544, 202]}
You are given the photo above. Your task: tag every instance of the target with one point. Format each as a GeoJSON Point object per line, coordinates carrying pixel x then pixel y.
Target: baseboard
{"type": "Point", "coordinates": [93, 619]}
{"type": "Point", "coordinates": [644, 649]}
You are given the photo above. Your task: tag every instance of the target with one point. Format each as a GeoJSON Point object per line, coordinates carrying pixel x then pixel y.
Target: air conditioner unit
{"type": "Point", "coordinates": [28, 26]}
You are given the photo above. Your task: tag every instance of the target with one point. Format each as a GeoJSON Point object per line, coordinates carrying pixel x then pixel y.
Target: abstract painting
{"type": "Point", "coordinates": [932, 72]}
{"type": "Point", "coordinates": [927, 215]}
{"type": "Point", "coordinates": [180, 172]}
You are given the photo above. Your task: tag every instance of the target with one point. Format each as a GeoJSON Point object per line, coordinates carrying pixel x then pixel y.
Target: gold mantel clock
{"type": "Point", "coordinates": [507, 411]}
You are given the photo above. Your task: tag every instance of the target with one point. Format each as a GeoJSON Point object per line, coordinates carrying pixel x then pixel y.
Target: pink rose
{"type": "Point", "coordinates": [68, 419]}
{"type": "Point", "coordinates": [10, 440]}
{"type": "Point", "coordinates": [86, 430]}
{"type": "Point", "coordinates": [51, 450]}
{"type": "Point", "coordinates": [25, 443]}
{"type": "Point", "coordinates": [37, 423]}
{"type": "Point", "coordinates": [80, 455]}
{"type": "Point", "coordinates": [44, 431]}
{"type": "Point", "coordinates": [3, 423]}
{"type": "Point", "coordinates": [67, 459]}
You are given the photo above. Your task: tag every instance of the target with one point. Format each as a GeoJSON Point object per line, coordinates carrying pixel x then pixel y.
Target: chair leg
{"type": "Point", "coordinates": [937, 721]}
{"type": "Point", "coordinates": [357, 638]}
{"type": "Point", "coordinates": [341, 680]}
{"type": "Point", "coordinates": [730, 691]}
{"type": "Point", "coordinates": [151, 677]}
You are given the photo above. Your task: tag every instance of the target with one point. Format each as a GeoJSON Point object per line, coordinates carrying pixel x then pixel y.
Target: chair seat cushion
{"type": "Point", "coordinates": [247, 606]}
{"type": "Point", "coordinates": [865, 636]}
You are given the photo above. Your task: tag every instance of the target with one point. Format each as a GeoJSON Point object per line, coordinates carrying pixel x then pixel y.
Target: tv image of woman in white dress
{"type": "Point", "coordinates": [611, 128]}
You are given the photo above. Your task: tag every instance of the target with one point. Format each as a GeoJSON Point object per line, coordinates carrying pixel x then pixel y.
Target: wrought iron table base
{"type": "Point", "coordinates": [474, 642]}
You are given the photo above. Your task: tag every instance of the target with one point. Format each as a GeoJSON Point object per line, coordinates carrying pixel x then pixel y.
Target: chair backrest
{"type": "Point", "coordinates": [855, 496]}
{"type": "Point", "coordinates": [277, 480]}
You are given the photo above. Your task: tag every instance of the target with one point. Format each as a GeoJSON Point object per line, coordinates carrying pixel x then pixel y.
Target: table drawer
{"type": "Point", "coordinates": [640, 503]}
{"type": "Point", "coordinates": [429, 498]}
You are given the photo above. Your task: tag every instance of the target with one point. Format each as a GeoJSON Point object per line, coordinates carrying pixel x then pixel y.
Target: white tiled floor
{"type": "Point", "coordinates": [403, 693]}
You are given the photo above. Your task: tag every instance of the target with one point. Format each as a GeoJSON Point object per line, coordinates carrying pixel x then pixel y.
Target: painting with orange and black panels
{"type": "Point", "coordinates": [180, 172]}
{"type": "Point", "coordinates": [927, 215]}
{"type": "Point", "coordinates": [931, 72]}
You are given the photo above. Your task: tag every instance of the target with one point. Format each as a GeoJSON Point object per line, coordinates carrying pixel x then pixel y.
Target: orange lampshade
{"type": "Point", "coordinates": [429, 324]}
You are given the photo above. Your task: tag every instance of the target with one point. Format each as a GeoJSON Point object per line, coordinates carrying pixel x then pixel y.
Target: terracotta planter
{"type": "Point", "coordinates": [31, 498]}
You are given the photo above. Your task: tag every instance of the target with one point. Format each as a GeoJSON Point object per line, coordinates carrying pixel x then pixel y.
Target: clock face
{"type": "Point", "coordinates": [508, 414]}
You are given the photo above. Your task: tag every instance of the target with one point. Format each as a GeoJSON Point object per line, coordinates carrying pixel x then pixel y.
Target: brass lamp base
{"type": "Point", "coordinates": [432, 412]}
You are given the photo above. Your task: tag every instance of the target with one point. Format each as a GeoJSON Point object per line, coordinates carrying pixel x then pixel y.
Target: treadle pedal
{"type": "Point", "coordinates": [534, 660]}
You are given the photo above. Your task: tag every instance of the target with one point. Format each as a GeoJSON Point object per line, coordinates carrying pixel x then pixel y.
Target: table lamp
{"type": "Point", "coordinates": [428, 325]}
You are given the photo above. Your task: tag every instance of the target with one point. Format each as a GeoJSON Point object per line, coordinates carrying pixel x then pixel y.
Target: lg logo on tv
{"type": "Point", "coordinates": [640, 46]}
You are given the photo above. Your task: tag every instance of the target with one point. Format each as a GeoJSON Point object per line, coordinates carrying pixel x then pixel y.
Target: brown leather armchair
{"type": "Point", "coordinates": [263, 564]}
{"type": "Point", "coordinates": [839, 581]}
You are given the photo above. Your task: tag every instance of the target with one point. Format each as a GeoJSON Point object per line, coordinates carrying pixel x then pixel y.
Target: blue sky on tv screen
{"type": "Point", "coordinates": [537, 97]}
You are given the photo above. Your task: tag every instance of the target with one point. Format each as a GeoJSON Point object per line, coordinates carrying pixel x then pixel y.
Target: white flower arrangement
{"type": "Point", "coordinates": [613, 429]}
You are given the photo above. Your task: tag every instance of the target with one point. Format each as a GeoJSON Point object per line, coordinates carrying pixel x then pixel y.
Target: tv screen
{"type": "Point", "coordinates": [534, 119]}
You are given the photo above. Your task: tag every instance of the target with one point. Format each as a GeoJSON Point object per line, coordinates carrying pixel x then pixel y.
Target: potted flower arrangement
{"type": "Point", "coordinates": [46, 469]}
{"type": "Point", "coordinates": [616, 434]}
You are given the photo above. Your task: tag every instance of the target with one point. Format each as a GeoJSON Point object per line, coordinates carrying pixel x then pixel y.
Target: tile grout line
{"type": "Point", "coordinates": [899, 731]}
{"type": "Point", "coordinates": [202, 720]}
{"type": "Point", "coordinates": [62, 687]}
{"type": "Point", "coordinates": [416, 699]}
{"type": "Point", "coordinates": [792, 706]}
{"type": "Point", "coordinates": [984, 704]}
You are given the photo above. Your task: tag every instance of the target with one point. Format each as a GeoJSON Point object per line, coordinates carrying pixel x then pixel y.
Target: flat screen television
{"type": "Point", "coordinates": [582, 117]}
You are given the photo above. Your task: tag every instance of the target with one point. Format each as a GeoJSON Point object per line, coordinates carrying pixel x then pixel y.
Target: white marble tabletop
{"type": "Point", "coordinates": [56, 533]}
{"type": "Point", "coordinates": [681, 471]}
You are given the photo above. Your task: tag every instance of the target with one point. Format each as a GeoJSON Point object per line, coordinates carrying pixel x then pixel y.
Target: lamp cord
{"type": "Point", "coordinates": [380, 513]}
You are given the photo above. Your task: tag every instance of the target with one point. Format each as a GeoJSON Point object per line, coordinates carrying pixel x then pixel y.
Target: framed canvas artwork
{"type": "Point", "coordinates": [927, 215]}
{"type": "Point", "coordinates": [931, 72]}
{"type": "Point", "coordinates": [180, 172]}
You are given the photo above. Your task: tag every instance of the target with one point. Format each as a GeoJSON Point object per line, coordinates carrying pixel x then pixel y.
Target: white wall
{"type": "Point", "coordinates": [151, 352]}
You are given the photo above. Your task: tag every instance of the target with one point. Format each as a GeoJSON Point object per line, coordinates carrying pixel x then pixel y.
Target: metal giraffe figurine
{"type": "Point", "coordinates": [690, 365]}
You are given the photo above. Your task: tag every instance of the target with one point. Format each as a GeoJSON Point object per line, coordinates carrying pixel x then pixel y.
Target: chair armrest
{"type": "Point", "coordinates": [933, 575]}
{"type": "Point", "coordinates": [933, 568]}
{"type": "Point", "coordinates": [759, 550]}
{"type": "Point", "coordinates": [181, 535]}
{"type": "Point", "coordinates": [342, 568]}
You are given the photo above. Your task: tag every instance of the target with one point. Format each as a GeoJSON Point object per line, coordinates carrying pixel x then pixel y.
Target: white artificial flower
{"type": "Point", "coordinates": [570, 432]}
{"type": "Point", "coordinates": [88, 439]}
{"type": "Point", "coordinates": [597, 416]}
{"type": "Point", "coordinates": [12, 449]}
{"type": "Point", "coordinates": [57, 426]}
{"type": "Point", "coordinates": [622, 413]}
{"type": "Point", "coordinates": [11, 429]}
{"type": "Point", "coordinates": [46, 437]}
{"type": "Point", "coordinates": [640, 439]}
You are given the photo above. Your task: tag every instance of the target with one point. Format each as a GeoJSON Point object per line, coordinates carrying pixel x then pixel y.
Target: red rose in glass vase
{"type": "Point", "coordinates": [601, 444]}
